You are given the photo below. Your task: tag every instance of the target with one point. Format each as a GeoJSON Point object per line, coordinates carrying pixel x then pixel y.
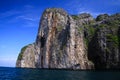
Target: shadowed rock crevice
{"type": "Point", "coordinates": [119, 44]}
{"type": "Point", "coordinates": [42, 40]}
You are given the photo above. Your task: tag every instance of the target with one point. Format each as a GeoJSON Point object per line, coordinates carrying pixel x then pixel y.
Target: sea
{"type": "Point", "coordinates": [7, 73]}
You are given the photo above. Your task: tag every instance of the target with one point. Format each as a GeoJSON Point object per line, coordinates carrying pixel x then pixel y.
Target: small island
{"type": "Point", "coordinates": [76, 42]}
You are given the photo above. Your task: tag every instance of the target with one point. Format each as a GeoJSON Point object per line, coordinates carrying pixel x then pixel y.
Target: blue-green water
{"type": "Point", "coordinates": [42, 74]}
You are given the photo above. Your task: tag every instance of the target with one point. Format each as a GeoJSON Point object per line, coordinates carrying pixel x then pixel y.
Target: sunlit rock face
{"type": "Point", "coordinates": [59, 44]}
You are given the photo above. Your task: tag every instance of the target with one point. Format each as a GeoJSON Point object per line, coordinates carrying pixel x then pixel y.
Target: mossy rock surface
{"type": "Point", "coordinates": [75, 17]}
{"type": "Point", "coordinates": [114, 39]}
{"type": "Point", "coordinates": [21, 53]}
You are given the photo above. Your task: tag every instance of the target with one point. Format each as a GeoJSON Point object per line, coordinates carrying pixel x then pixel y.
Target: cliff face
{"type": "Point", "coordinates": [105, 44]}
{"type": "Point", "coordinates": [67, 41]}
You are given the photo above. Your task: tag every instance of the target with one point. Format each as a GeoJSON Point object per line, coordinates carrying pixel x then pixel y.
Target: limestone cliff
{"type": "Point", "coordinates": [59, 44]}
{"type": "Point", "coordinates": [73, 42]}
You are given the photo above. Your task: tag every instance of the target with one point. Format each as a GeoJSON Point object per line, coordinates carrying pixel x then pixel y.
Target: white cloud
{"type": "Point", "coordinates": [30, 25]}
{"type": "Point", "coordinates": [30, 18]}
{"type": "Point", "coordinates": [76, 7]}
{"type": "Point", "coordinates": [27, 16]}
{"type": "Point", "coordinates": [94, 14]}
{"type": "Point", "coordinates": [9, 13]}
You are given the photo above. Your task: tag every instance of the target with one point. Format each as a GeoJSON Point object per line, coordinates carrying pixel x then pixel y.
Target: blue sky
{"type": "Point", "coordinates": [19, 21]}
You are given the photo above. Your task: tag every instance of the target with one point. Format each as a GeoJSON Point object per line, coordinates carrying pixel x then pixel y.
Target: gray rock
{"type": "Point", "coordinates": [59, 44]}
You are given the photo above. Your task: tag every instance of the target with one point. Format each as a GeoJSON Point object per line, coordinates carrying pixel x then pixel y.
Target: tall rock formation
{"type": "Point", "coordinates": [74, 42]}
{"type": "Point", "coordinates": [59, 44]}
